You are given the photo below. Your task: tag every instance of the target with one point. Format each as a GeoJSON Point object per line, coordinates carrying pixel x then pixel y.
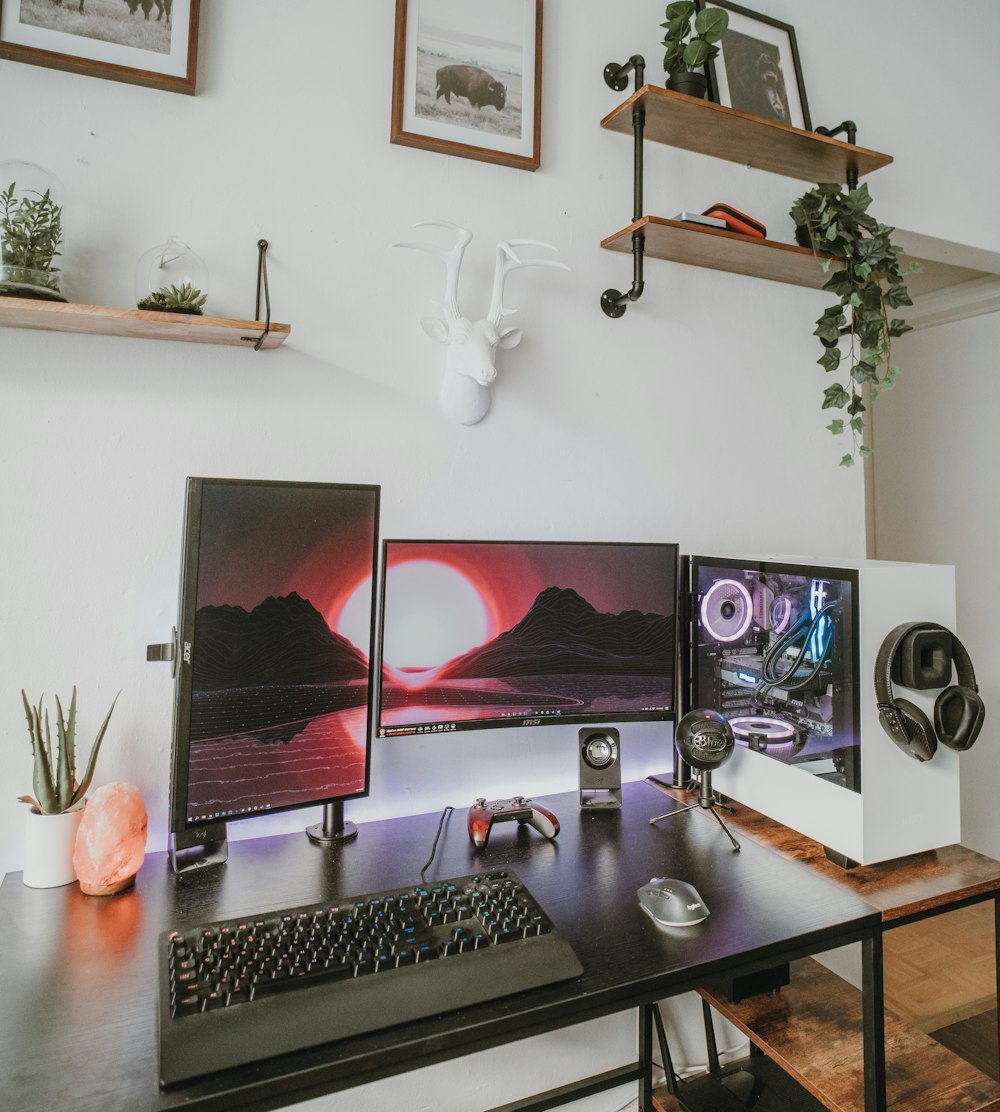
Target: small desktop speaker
{"type": "Point", "coordinates": [600, 768]}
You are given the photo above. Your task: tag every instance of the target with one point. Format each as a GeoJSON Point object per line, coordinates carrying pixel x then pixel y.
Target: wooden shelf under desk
{"type": "Point", "coordinates": [58, 316]}
{"type": "Point", "coordinates": [812, 1030]}
{"type": "Point", "coordinates": [718, 249]}
{"type": "Point", "coordinates": [721, 132]}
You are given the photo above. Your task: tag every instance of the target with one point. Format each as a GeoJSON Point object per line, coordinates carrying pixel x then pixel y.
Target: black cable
{"type": "Point", "coordinates": [444, 814]}
{"type": "Point", "coordinates": [770, 678]}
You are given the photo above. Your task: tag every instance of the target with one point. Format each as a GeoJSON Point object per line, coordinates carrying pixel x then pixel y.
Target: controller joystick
{"type": "Point", "coordinates": [483, 815]}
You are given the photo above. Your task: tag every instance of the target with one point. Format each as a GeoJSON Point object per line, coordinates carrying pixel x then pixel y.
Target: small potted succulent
{"type": "Point", "coordinates": [691, 39]}
{"type": "Point", "coordinates": [857, 331]}
{"type": "Point", "coordinates": [31, 232]}
{"type": "Point", "coordinates": [59, 799]}
{"type": "Point", "coordinates": [171, 278]}
{"type": "Point", "coordinates": [184, 298]}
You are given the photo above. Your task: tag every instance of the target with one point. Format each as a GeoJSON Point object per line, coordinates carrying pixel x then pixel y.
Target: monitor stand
{"type": "Point", "coordinates": [334, 830]}
{"type": "Point", "coordinates": [198, 848]}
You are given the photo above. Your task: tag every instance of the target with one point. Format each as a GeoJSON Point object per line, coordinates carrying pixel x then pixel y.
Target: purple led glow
{"type": "Point", "coordinates": [771, 730]}
{"type": "Point", "coordinates": [781, 613]}
{"type": "Point", "coordinates": [728, 591]}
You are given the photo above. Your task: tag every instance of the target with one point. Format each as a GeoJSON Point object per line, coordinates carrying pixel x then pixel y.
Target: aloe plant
{"type": "Point", "coordinates": [56, 787]}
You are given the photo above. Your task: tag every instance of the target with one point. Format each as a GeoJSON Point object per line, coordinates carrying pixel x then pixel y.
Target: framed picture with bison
{"type": "Point", "coordinates": [143, 42]}
{"type": "Point", "coordinates": [467, 79]}
{"type": "Point", "coordinates": [758, 70]}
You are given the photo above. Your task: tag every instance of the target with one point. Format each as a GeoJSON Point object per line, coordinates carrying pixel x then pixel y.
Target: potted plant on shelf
{"type": "Point", "coordinates": [30, 235]}
{"type": "Point", "coordinates": [691, 40]}
{"type": "Point", "coordinates": [59, 799]}
{"type": "Point", "coordinates": [857, 331]}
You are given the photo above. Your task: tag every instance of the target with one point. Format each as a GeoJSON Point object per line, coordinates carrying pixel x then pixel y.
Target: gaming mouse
{"type": "Point", "coordinates": [672, 903]}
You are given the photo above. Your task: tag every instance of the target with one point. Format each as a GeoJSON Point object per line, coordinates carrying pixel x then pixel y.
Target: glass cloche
{"type": "Point", "coordinates": [171, 278]}
{"type": "Point", "coordinates": [31, 231]}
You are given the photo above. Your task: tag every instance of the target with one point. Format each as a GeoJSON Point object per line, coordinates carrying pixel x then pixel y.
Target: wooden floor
{"type": "Point", "coordinates": [941, 971]}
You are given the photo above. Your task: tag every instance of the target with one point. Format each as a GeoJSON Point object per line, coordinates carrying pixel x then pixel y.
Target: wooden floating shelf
{"type": "Point", "coordinates": [812, 1030]}
{"type": "Point", "coordinates": [713, 129]}
{"type": "Point", "coordinates": [58, 316]}
{"type": "Point", "coordinates": [717, 249]}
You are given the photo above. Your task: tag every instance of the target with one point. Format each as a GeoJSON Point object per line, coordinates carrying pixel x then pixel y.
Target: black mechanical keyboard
{"type": "Point", "coordinates": [237, 991]}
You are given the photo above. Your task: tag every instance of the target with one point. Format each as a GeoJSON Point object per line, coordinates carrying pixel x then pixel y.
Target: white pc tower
{"type": "Point", "coordinates": [786, 650]}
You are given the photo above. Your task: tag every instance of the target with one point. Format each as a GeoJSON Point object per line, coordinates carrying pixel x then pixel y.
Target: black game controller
{"type": "Point", "coordinates": [483, 815]}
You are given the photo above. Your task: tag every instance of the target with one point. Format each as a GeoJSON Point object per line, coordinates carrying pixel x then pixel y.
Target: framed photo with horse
{"type": "Point", "coordinates": [757, 70]}
{"type": "Point", "coordinates": [142, 42]}
{"type": "Point", "coordinates": [467, 79]}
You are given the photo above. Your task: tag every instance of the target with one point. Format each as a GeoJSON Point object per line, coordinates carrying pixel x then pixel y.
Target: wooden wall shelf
{"type": "Point", "coordinates": [721, 132]}
{"type": "Point", "coordinates": [722, 250]}
{"type": "Point", "coordinates": [57, 316]}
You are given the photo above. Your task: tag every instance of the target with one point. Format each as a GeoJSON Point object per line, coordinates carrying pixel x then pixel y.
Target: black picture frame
{"type": "Point", "coordinates": [735, 77]}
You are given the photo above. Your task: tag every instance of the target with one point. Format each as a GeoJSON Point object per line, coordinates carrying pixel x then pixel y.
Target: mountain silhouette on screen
{"type": "Point", "coordinates": [562, 634]}
{"type": "Point", "coordinates": [283, 640]}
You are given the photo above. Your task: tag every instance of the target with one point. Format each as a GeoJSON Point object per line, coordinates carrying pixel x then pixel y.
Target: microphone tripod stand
{"type": "Point", "coordinates": [706, 800]}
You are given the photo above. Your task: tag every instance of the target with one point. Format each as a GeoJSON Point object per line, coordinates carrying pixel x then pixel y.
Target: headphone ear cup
{"type": "Point", "coordinates": [911, 730]}
{"type": "Point", "coordinates": [958, 717]}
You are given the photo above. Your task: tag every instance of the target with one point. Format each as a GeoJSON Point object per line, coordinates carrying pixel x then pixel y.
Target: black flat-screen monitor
{"type": "Point", "coordinates": [478, 634]}
{"type": "Point", "coordinates": [276, 635]}
{"type": "Point", "coordinates": [775, 649]}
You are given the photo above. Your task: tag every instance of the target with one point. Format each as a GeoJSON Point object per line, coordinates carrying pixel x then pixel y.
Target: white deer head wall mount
{"type": "Point", "coordinates": [470, 360]}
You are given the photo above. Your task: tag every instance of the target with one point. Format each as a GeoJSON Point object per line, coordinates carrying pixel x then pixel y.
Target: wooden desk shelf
{"type": "Point", "coordinates": [721, 132]}
{"type": "Point", "coordinates": [811, 1029]}
{"type": "Point", "coordinates": [57, 316]}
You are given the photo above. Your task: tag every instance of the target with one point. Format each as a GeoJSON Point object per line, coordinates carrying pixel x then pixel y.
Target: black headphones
{"type": "Point", "coordinates": [919, 655]}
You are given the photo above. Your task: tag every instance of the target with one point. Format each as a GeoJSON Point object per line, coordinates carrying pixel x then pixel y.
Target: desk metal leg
{"type": "Point", "coordinates": [646, 1058]}
{"type": "Point", "coordinates": [996, 954]}
{"type": "Point", "coordinates": [873, 1007]}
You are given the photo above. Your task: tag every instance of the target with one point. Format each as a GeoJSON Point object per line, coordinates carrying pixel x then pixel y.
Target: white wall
{"type": "Point", "coordinates": [938, 457]}
{"type": "Point", "coordinates": [695, 418]}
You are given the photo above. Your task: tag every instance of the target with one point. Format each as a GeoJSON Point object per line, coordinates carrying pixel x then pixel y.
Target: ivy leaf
{"type": "Point", "coordinates": [830, 359]}
{"type": "Point", "coordinates": [865, 451]}
{"type": "Point", "coordinates": [856, 406]}
{"type": "Point", "coordinates": [835, 397]}
{"type": "Point", "coordinates": [847, 461]}
{"type": "Point", "coordinates": [889, 378]}
{"type": "Point", "coordinates": [836, 426]}
{"type": "Point", "coordinates": [897, 327]}
{"type": "Point", "coordinates": [858, 424]}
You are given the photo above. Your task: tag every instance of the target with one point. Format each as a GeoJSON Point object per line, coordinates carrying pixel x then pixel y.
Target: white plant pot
{"type": "Point", "coordinates": [48, 848]}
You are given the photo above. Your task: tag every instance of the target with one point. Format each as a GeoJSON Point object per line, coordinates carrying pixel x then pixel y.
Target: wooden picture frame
{"type": "Point", "coordinates": [758, 69]}
{"type": "Point", "coordinates": [488, 105]}
{"type": "Point", "coordinates": [141, 42]}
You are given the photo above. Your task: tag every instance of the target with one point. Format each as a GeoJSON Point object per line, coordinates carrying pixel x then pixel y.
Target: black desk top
{"type": "Point", "coordinates": [78, 973]}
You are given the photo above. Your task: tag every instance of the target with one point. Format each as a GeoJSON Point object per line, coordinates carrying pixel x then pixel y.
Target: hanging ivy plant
{"type": "Point", "coordinates": [857, 332]}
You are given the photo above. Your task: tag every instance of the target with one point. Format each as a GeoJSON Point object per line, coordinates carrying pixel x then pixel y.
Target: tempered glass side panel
{"type": "Point", "coordinates": [276, 634]}
{"type": "Point", "coordinates": [774, 647]}
{"type": "Point", "coordinates": [482, 634]}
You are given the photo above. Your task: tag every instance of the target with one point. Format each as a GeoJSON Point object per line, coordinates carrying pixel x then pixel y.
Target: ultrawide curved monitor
{"type": "Point", "coordinates": [478, 634]}
{"type": "Point", "coordinates": [276, 636]}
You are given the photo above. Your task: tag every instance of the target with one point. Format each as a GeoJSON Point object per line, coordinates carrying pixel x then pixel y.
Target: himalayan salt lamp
{"type": "Point", "coordinates": [111, 842]}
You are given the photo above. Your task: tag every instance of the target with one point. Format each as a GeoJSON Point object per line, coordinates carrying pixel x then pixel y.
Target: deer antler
{"type": "Point", "coordinates": [451, 257]}
{"type": "Point", "coordinates": [508, 260]}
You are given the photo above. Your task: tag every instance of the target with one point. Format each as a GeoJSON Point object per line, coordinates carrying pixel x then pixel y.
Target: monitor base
{"type": "Point", "coordinates": [334, 830]}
